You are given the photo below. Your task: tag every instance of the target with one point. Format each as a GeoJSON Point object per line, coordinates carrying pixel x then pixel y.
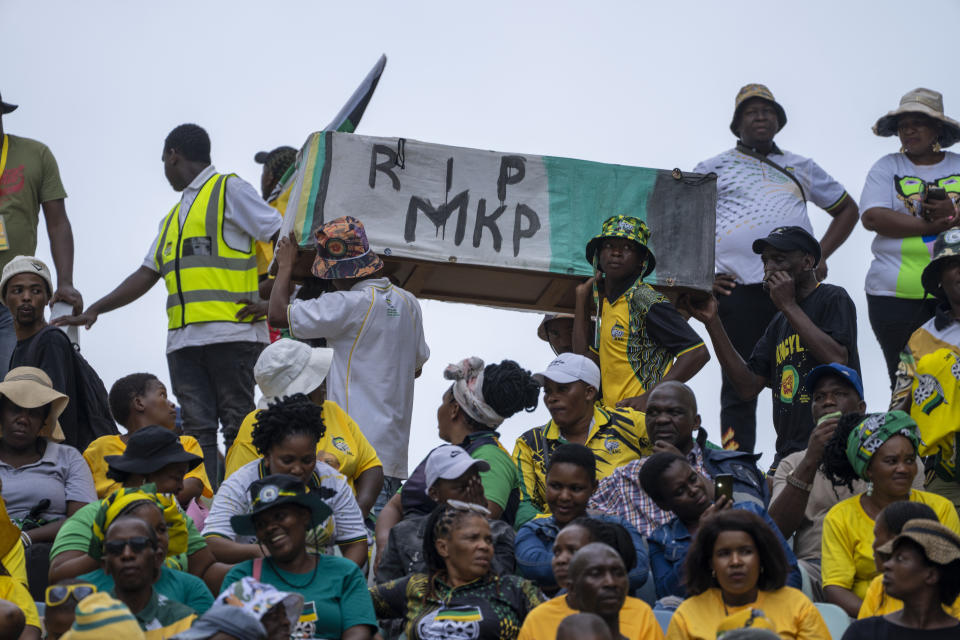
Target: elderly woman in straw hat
{"type": "Point", "coordinates": [909, 197]}
{"type": "Point", "coordinates": [923, 570]}
{"type": "Point", "coordinates": [43, 482]}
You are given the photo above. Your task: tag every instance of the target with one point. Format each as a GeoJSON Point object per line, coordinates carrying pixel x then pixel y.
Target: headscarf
{"type": "Point", "coordinates": [258, 598]}
{"type": "Point", "coordinates": [122, 499]}
{"type": "Point", "coordinates": [873, 431]}
{"type": "Point", "coordinates": [468, 391]}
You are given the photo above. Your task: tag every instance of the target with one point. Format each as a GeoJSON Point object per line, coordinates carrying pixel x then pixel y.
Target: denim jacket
{"type": "Point", "coordinates": [749, 482]}
{"type": "Point", "coordinates": [669, 544]}
{"type": "Point", "coordinates": [534, 547]}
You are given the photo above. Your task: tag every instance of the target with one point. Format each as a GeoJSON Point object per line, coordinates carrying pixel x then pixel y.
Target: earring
{"type": "Point", "coordinates": [869, 487]}
{"type": "Point", "coordinates": [903, 149]}
{"type": "Point", "coordinates": [936, 147]}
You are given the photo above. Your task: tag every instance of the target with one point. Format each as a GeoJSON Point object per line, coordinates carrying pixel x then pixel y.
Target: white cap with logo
{"type": "Point", "coordinates": [25, 264]}
{"type": "Point", "coordinates": [449, 462]}
{"type": "Point", "coordinates": [570, 367]}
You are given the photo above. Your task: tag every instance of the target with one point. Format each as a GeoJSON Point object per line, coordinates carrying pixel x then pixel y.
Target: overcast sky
{"type": "Point", "coordinates": [638, 83]}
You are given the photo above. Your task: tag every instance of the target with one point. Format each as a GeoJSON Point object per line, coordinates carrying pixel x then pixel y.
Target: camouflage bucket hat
{"type": "Point", "coordinates": [945, 246]}
{"type": "Point", "coordinates": [623, 227]}
{"type": "Point", "coordinates": [756, 91]}
{"type": "Point", "coordinates": [343, 251]}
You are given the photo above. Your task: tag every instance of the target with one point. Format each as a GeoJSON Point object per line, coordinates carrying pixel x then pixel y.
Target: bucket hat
{"type": "Point", "coordinates": [6, 107]}
{"type": "Point", "coordinates": [789, 239]}
{"type": "Point", "coordinates": [289, 366]}
{"type": "Point", "coordinates": [940, 543]}
{"type": "Point", "coordinates": [945, 246]}
{"type": "Point", "coordinates": [259, 598]}
{"type": "Point", "coordinates": [926, 102]}
{"type": "Point", "coordinates": [343, 251]}
{"type": "Point", "coordinates": [754, 90]}
{"type": "Point", "coordinates": [222, 618]}
{"type": "Point", "coordinates": [151, 449]}
{"type": "Point", "coordinates": [30, 387]}
{"type": "Point", "coordinates": [24, 264]}
{"type": "Point", "coordinates": [547, 319]}
{"type": "Point", "coordinates": [627, 227]}
{"type": "Point", "coordinates": [273, 491]}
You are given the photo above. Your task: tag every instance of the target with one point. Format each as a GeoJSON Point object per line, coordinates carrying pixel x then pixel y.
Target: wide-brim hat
{"type": "Point", "coordinates": [343, 251]}
{"type": "Point", "coordinates": [945, 246]}
{"type": "Point", "coordinates": [6, 107]}
{"type": "Point", "coordinates": [623, 227]}
{"type": "Point", "coordinates": [940, 543]}
{"type": "Point", "coordinates": [151, 449]}
{"type": "Point", "coordinates": [289, 366]}
{"type": "Point", "coordinates": [925, 102]}
{"type": "Point", "coordinates": [547, 319]}
{"type": "Point", "coordinates": [273, 491]}
{"type": "Point", "coordinates": [756, 91]}
{"type": "Point", "coordinates": [30, 387]}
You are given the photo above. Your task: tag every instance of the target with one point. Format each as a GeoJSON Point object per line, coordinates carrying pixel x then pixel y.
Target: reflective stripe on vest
{"type": "Point", "coordinates": [205, 278]}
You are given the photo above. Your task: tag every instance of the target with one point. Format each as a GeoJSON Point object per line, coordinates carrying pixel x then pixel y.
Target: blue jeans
{"type": "Point", "coordinates": [8, 340]}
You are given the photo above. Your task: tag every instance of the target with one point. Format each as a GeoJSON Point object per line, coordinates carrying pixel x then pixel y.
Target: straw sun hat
{"type": "Point", "coordinates": [925, 102]}
{"type": "Point", "coordinates": [30, 387]}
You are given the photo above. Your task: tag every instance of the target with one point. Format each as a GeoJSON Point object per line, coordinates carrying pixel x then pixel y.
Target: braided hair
{"type": "Point", "coordinates": [290, 415]}
{"type": "Point", "coordinates": [507, 388]}
{"type": "Point", "coordinates": [834, 463]}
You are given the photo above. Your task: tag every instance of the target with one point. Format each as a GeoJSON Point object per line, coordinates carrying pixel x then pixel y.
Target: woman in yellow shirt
{"type": "Point", "coordinates": [880, 448]}
{"type": "Point", "coordinates": [890, 523]}
{"type": "Point", "coordinates": [287, 367]}
{"type": "Point", "coordinates": [736, 564]}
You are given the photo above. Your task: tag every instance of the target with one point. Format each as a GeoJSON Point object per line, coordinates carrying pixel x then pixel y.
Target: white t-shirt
{"type": "Point", "coordinates": [233, 498]}
{"type": "Point", "coordinates": [376, 332]}
{"type": "Point", "coordinates": [896, 183]}
{"type": "Point", "coordinates": [753, 199]}
{"type": "Point", "coordinates": [245, 216]}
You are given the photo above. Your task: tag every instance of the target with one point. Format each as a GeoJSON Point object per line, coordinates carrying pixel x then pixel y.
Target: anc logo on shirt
{"type": "Point", "coordinates": [455, 623]}
{"type": "Point", "coordinates": [618, 332]}
{"type": "Point", "coordinates": [928, 394]}
{"type": "Point", "coordinates": [789, 380]}
{"type": "Point", "coordinates": [611, 445]}
{"type": "Point", "coordinates": [341, 445]}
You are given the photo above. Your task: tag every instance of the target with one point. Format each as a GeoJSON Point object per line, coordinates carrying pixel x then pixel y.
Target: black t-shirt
{"type": "Point", "coordinates": [784, 362]}
{"type": "Point", "coordinates": [54, 354]}
{"type": "Point", "coordinates": [879, 628]}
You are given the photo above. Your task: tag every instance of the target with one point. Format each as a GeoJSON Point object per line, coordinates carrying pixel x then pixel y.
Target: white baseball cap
{"type": "Point", "coordinates": [289, 366]}
{"type": "Point", "coordinates": [24, 264]}
{"type": "Point", "coordinates": [449, 462]}
{"type": "Point", "coordinates": [570, 367]}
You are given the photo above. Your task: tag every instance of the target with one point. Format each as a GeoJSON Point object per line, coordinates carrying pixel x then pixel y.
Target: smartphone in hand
{"type": "Point", "coordinates": [723, 486]}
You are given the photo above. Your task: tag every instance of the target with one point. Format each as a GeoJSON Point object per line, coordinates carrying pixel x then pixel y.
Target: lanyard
{"type": "Point", "coordinates": [3, 154]}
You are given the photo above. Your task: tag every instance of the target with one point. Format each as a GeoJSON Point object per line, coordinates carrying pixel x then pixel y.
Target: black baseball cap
{"type": "Point", "coordinates": [151, 449]}
{"type": "Point", "coordinates": [6, 107]}
{"type": "Point", "coordinates": [262, 157]}
{"type": "Point", "coordinates": [790, 239]}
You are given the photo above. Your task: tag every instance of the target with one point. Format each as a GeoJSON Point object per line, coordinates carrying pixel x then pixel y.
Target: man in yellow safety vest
{"type": "Point", "coordinates": [204, 252]}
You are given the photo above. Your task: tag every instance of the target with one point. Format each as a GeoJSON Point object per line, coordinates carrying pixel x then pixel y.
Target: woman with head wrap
{"type": "Point", "coordinates": [478, 402]}
{"type": "Point", "coordinates": [880, 448]}
{"type": "Point", "coordinates": [164, 516]}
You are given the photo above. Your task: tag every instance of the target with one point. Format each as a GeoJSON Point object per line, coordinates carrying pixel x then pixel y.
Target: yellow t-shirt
{"type": "Point", "coordinates": [847, 544]}
{"type": "Point", "coordinates": [12, 591]}
{"type": "Point", "coordinates": [878, 603]}
{"type": "Point", "coordinates": [637, 621]}
{"type": "Point", "coordinates": [264, 250]}
{"type": "Point", "coordinates": [790, 611]}
{"type": "Point", "coordinates": [114, 446]}
{"type": "Point", "coordinates": [616, 437]}
{"type": "Point", "coordinates": [345, 446]}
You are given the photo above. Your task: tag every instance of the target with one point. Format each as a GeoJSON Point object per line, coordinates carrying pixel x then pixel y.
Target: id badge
{"type": "Point", "coordinates": [4, 241]}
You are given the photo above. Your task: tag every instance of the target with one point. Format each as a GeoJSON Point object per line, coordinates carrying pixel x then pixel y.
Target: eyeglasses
{"type": "Point", "coordinates": [58, 593]}
{"type": "Point", "coordinates": [137, 545]}
{"type": "Point", "coordinates": [460, 505]}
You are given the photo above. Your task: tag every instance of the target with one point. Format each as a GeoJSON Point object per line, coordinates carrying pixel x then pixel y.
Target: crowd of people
{"type": "Point", "coordinates": [122, 517]}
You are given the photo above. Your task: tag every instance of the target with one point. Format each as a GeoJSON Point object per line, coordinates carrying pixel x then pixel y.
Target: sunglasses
{"type": "Point", "coordinates": [137, 545]}
{"type": "Point", "coordinates": [58, 594]}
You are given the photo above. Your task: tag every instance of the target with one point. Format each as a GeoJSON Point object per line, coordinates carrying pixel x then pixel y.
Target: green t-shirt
{"type": "Point", "coordinates": [76, 531]}
{"type": "Point", "coordinates": [178, 586]}
{"type": "Point", "coordinates": [502, 477]}
{"type": "Point", "coordinates": [30, 178]}
{"type": "Point", "coordinates": [335, 600]}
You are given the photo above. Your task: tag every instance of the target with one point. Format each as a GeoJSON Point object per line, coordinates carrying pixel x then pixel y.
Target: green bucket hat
{"type": "Point", "coordinates": [623, 227]}
{"type": "Point", "coordinates": [873, 431]}
{"type": "Point", "coordinates": [945, 246]}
